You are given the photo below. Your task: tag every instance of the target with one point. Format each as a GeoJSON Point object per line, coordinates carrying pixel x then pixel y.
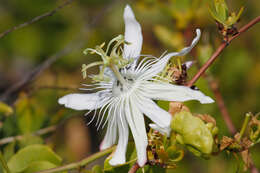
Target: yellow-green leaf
{"type": "Point", "coordinates": [32, 153]}
{"type": "Point", "coordinates": [38, 166]}
{"type": "Point", "coordinates": [30, 116]}
{"type": "Point", "coordinates": [5, 109]}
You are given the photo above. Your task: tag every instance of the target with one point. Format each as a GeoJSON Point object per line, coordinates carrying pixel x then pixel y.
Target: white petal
{"type": "Point", "coordinates": [161, 117]}
{"type": "Point", "coordinates": [166, 131]}
{"type": "Point", "coordinates": [169, 92]}
{"type": "Point", "coordinates": [188, 64]}
{"type": "Point", "coordinates": [160, 64]}
{"type": "Point", "coordinates": [81, 101]}
{"type": "Point", "coordinates": [119, 155]}
{"type": "Point", "coordinates": [110, 137]}
{"type": "Point", "coordinates": [133, 35]}
{"type": "Point", "coordinates": [135, 120]}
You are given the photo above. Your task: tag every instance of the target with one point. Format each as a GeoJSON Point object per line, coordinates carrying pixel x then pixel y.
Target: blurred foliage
{"type": "Point", "coordinates": [166, 25]}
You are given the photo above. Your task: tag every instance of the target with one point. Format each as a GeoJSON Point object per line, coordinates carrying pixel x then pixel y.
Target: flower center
{"type": "Point", "coordinates": [119, 88]}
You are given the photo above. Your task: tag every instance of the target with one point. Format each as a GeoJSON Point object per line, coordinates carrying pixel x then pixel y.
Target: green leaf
{"type": "Point", "coordinates": [38, 166]}
{"type": "Point", "coordinates": [221, 9]}
{"type": "Point", "coordinates": [30, 140]}
{"type": "Point", "coordinates": [32, 153]}
{"type": "Point", "coordinates": [9, 126]}
{"type": "Point", "coordinates": [5, 109]}
{"type": "Point", "coordinates": [9, 150]}
{"type": "Point", "coordinates": [30, 116]}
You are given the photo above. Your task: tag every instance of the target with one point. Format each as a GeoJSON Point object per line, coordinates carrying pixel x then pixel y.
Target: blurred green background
{"type": "Point", "coordinates": [166, 25]}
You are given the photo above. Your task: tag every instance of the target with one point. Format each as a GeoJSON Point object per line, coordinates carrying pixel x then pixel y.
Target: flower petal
{"type": "Point", "coordinates": [119, 155]}
{"type": "Point", "coordinates": [169, 92]}
{"type": "Point", "coordinates": [81, 101]}
{"type": "Point", "coordinates": [110, 137]}
{"type": "Point", "coordinates": [133, 35]}
{"type": "Point", "coordinates": [165, 130]}
{"type": "Point", "coordinates": [135, 120]}
{"type": "Point", "coordinates": [161, 117]}
{"type": "Point", "coordinates": [160, 64]}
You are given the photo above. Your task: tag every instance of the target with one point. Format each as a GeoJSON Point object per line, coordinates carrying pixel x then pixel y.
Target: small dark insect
{"type": "Point", "coordinates": [194, 87]}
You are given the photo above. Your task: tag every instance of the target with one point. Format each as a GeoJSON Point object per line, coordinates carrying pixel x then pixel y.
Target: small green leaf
{"type": "Point", "coordinates": [38, 166]}
{"type": "Point", "coordinates": [5, 109]}
{"type": "Point", "coordinates": [32, 153]}
{"type": "Point", "coordinates": [221, 9]}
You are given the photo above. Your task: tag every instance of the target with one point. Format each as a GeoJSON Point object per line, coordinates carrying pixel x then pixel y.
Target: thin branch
{"type": "Point", "coordinates": [219, 51]}
{"type": "Point", "coordinates": [37, 71]}
{"type": "Point", "coordinates": [221, 104]}
{"type": "Point", "coordinates": [134, 168]}
{"type": "Point", "coordinates": [81, 163]}
{"type": "Point", "coordinates": [19, 137]}
{"type": "Point", "coordinates": [32, 75]}
{"type": "Point", "coordinates": [202, 70]}
{"type": "Point", "coordinates": [37, 18]}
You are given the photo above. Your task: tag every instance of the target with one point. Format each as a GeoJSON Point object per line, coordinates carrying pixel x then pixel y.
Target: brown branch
{"type": "Point", "coordinates": [221, 104]}
{"type": "Point", "coordinates": [220, 49]}
{"type": "Point", "coordinates": [214, 86]}
{"type": "Point", "coordinates": [224, 113]}
{"type": "Point", "coordinates": [19, 137]}
{"type": "Point", "coordinates": [37, 18]}
{"type": "Point", "coordinates": [134, 168]}
{"type": "Point", "coordinates": [32, 75]}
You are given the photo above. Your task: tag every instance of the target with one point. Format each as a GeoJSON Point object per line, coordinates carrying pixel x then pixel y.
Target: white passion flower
{"type": "Point", "coordinates": [128, 92]}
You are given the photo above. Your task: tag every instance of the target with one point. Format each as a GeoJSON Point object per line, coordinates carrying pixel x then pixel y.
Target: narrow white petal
{"type": "Point", "coordinates": [110, 137]}
{"type": "Point", "coordinates": [81, 101]}
{"type": "Point", "coordinates": [188, 64]}
{"type": "Point", "coordinates": [119, 155]}
{"type": "Point", "coordinates": [161, 117]}
{"type": "Point", "coordinates": [165, 131]}
{"type": "Point", "coordinates": [133, 35]}
{"type": "Point", "coordinates": [169, 92]}
{"type": "Point", "coordinates": [160, 64]}
{"type": "Point", "coordinates": [135, 120]}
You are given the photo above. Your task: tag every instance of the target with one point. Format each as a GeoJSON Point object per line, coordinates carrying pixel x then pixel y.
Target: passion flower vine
{"type": "Point", "coordinates": [126, 90]}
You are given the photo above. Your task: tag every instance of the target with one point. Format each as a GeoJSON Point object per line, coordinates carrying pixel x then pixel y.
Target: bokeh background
{"type": "Point", "coordinates": [166, 25]}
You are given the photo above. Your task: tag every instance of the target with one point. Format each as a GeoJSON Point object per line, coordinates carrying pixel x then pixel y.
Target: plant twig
{"type": "Point", "coordinates": [32, 75]}
{"type": "Point", "coordinates": [4, 164]}
{"type": "Point", "coordinates": [19, 137]}
{"type": "Point", "coordinates": [81, 163]}
{"type": "Point", "coordinates": [215, 55]}
{"type": "Point", "coordinates": [134, 168]}
{"type": "Point", "coordinates": [220, 49]}
{"type": "Point", "coordinates": [37, 18]}
{"type": "Point", "coordinates": [221, 104]}
{"type": "Point", "coordinates": [244, 126]}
